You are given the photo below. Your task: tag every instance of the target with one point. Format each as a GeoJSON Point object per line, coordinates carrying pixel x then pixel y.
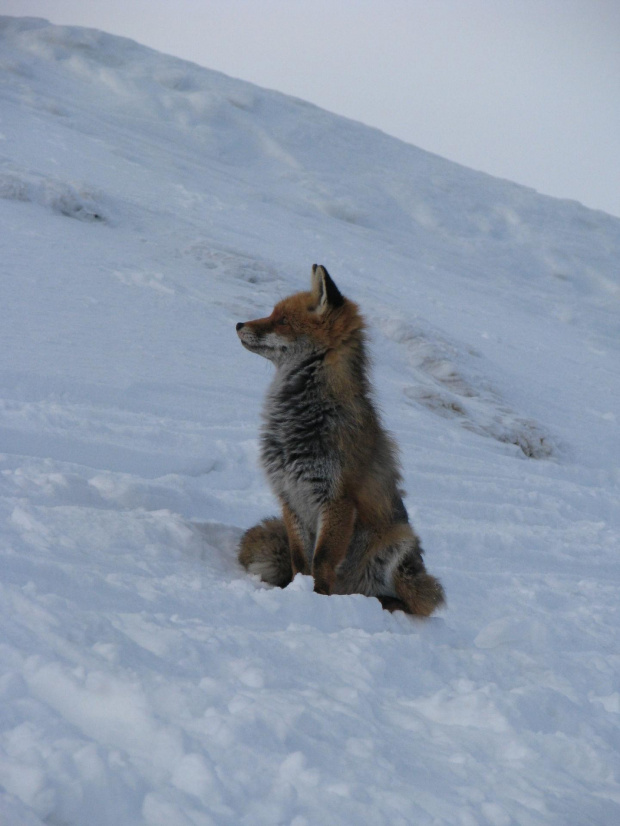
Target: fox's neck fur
{"type": "Point", "coordinates": [341, 367]}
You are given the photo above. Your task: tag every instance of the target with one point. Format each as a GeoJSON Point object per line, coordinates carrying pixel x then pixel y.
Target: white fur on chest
{"type": "Point", "coordinates": [295, 480]}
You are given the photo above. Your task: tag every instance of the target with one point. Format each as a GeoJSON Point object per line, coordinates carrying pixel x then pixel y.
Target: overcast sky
{"type": "Point", "coordinates": [527, 90]}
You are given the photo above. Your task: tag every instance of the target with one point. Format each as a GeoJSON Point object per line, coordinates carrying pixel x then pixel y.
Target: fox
{"type": "Point", "coordinates": [330, 463]}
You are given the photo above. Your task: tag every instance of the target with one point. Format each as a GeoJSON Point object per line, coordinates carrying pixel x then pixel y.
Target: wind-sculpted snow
{"type": "Point", "coordinates": [145, 678]}
{"type": "Point", "coordinates": [62, 198]}
{"type": "Point", "coordinates": [442, 387]}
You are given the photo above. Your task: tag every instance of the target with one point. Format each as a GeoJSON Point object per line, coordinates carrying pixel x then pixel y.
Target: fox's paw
{"type": "Point", "coordinates": [321, 587]}
{"type": "Point", "coordinates": [321, 584]}
{"type": "Point", "coordinates": [392, 604]}
{"type": "Point", "coordinates": [324, 577]}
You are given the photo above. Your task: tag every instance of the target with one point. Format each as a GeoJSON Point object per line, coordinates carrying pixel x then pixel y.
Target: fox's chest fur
{"type": "Point", "coordinates": [299, 450]}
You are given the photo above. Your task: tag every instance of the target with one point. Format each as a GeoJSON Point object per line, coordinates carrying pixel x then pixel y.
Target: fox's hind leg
{"type": "Point", "coordinates": [264, 550]}
{"type": "Point", "coordinates": [420, 592]}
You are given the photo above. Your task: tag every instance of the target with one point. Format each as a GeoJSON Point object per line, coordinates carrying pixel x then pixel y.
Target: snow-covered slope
{"type": "Point", "coordinates": [146, 205]}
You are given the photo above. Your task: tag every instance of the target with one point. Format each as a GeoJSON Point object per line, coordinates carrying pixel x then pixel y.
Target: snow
{"type": "Point", "coordinates": [146, 205]}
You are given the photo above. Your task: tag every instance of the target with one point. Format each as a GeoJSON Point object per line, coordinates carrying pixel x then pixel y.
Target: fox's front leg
{"type": "Point", "coordinates": [299, 561]}
{"type": "Point", "coordinates": [336, 529]}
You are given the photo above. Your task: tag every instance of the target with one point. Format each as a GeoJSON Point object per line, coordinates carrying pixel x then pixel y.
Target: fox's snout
{"type": "Point", "coordinates": [252, 336]}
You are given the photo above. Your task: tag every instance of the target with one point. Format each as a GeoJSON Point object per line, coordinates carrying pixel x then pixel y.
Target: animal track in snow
{"type": "Point", "coordinates": [225, 264]}
{"type": "Point", "coordinates": [77, 202]}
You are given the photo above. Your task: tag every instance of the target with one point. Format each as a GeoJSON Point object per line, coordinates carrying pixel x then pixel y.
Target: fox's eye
{"type": "Point", "coordinates": [282, 322]}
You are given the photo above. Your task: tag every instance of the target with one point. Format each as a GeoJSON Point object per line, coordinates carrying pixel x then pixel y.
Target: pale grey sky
{"type": "Point", "coordinates": [527, 90]}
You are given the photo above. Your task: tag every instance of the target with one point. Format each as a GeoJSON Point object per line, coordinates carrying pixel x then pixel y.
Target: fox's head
{"type": "Point", "coordinates": [304, 323]}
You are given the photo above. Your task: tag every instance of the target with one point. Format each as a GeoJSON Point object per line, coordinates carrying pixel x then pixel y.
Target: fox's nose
{"type": "Point", "coordinates": [240, 324]}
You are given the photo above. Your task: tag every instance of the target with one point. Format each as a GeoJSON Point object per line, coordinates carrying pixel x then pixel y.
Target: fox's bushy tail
{"type": "Point", "coordinates": [421, 592]}
{"type": "Point", "coordinates": [264, 550]}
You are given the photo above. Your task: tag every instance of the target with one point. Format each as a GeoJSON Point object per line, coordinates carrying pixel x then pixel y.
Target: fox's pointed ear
{"type": "Point", "coordinates": [327, 294]}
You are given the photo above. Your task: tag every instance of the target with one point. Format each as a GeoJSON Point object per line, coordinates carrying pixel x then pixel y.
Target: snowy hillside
{"type": "Point", "coordinates": [146, 205]}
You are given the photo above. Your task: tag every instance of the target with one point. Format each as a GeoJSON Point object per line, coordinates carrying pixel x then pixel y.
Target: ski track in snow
{"type": "Point", "coordinates": [146, 205]}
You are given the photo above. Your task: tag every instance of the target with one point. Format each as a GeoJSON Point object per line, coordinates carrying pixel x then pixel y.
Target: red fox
{"type": "Point", "coordinates": [329, 461]}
